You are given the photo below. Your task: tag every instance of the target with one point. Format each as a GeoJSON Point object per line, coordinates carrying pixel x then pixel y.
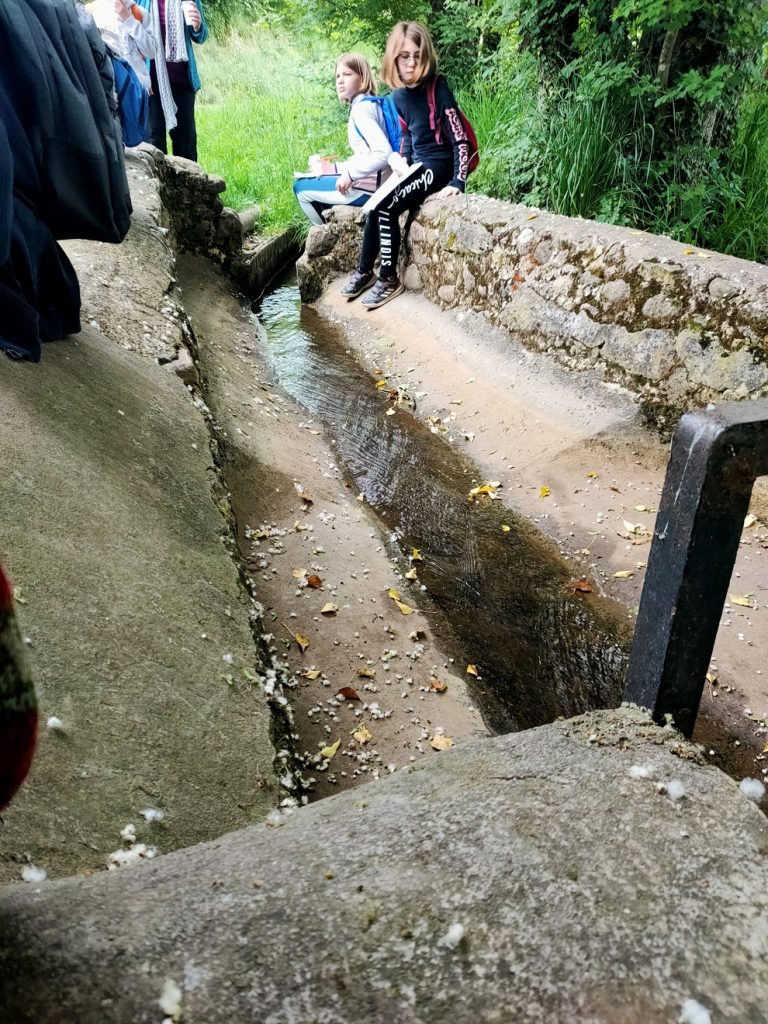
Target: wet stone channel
{"type": "Point", "coordinates": [498, 599]}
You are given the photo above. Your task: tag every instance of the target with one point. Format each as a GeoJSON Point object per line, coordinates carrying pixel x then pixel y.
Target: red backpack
{"type": "Point", "coordinates": [436, 124]}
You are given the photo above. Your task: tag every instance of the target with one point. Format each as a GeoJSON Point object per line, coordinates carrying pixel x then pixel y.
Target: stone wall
{"type": "Point", "coordinates": [678, 326]}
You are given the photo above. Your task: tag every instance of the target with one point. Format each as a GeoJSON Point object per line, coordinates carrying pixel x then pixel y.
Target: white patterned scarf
{"type": "Point", "coordinates": [175, 51]}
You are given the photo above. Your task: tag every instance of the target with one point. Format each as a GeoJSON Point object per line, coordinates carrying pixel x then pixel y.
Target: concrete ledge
{"type": "Point", "coordinates": [527, 878]}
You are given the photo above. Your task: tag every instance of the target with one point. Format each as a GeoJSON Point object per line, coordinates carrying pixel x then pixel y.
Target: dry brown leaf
{"type": "Point", "coordinates": [366, 673]}
{"type": "Point", "coordinates": [440, 742]}
{"type": "Point", "coordinates": [613, 487]}
{"type": "Point", "coordinates": [311, 673]}
{"type": "Point", "coordinates": [711, 678]}
{"type": "Point", "coordinates": [298, 573]}
{"type": "Point", "coordinates": [348, 693]}
{"type": "Point", "coordinates": [580, 586]}
{"type": "Point", "coordinates": [745, 601]}
{"type": "Point", "coordinates": [624, 574]}
{"type": "Point", "coordinates": [544, 491]}
{"type": "Point", "coordinates": [411, 575]}
{"type": "Point", "coordinates": [362, 735]}
{"type": "Point", "coordinates": [329, 609]}
{"type": "Point", "coordinates": [330, 750]}
{"type": "Point", "coordinates": [302, 641]}
{"type": "Point", "coordinates": [305, 497]}
{"type": "Point", "coordinates": [472, 670]}
{"type": "Point", "coordinates": [438, 685]}
{"type": "Point", "coordinates": [314, 582]}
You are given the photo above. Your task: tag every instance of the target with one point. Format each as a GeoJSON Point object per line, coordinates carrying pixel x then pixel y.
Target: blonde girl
{"type": "Point", "coordinates": [435, 138]}
{"type": "Point", "coordinates": [350, 182]}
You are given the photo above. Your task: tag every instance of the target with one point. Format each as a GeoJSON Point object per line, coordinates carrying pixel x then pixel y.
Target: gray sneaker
{"type": "Point", "coordinates": [357, 284]}
{"type": "Point", "coordinates": [384, 290]}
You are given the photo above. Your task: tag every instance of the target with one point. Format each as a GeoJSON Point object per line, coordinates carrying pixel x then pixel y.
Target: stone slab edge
{"type": "Point", "coordinates": [527, 878]}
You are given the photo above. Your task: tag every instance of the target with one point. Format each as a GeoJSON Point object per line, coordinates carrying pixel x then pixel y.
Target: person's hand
{"type": "Point", "coordinates": [398, 164]}
{"type": "Point", "coordinates": [121, 10]}
{"type": "Point", "coordinates": [344, 184]}
{"type": "Point", "coordinates": [447, 192]}
{"type": "Point", "coordinates": [192, 15]}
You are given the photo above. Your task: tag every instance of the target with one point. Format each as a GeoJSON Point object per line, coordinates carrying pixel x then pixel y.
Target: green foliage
{"type": "Point", "coordinates": [266, 104]}
{"type": "Point", "coordinates": [651, 113]}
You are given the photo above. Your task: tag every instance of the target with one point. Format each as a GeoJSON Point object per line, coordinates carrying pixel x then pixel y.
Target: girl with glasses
{"type": "Point", "coordinates": [433, 135]}
{"type": "Point", "coordinates": [350, 182]}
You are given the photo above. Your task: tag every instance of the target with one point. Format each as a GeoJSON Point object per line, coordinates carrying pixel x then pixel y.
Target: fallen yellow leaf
{"type": "Point", "coordinates": [592, 474]}
{"type": "Point", "coordinates": [745, 601]}
{"type": "Point", "coordinates": [411, 575]}
{"type": "Point", "coordinates": [544, 491]}
{"type": "Point", "coordinates": [440, 742]}
{"type": "Point", "coordinates": [298, 573]}
{"type": "Point", "coordinates": [624, 574]}
{"type": "Point", "coordinates": [367, 673]}
{"type": "Point", "coordinates": [489, 488]}
{"type": "Point", "coordinates": [394, 594]}
{"type": "Point", "coordinates": [302, 641]}
{"type": "Point", "coordinates": [331, 750]}
{"type": "Point", "coordinates": [380, 384]}
{"type": "Point", "coordinates": [362, 735]}
{"type": "Point", "coordinates": [305, 497]}
{"type": "Point", "coordinates": [438, 685]}
{"type": "Point", "coordinates": [472, 670]}
{"type": "Point", "coordinates": [329, 609]}
{"type": "Point", "coordinates": [361, 497]}
{"type": "Point", "coordinates": [311, 673]}
{"type": "Point", "coordinates": [750, 520]}
{"type": "Point", "coordinates": [404, 608]}
{"type": "Point", "coordinates": [416, 555]}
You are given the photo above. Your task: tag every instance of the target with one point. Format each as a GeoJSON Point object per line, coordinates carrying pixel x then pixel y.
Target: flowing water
{"type": "Point", "coordinates": [498, 599]}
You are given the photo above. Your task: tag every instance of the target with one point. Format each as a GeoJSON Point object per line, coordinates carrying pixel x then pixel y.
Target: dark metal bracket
{"type": "Point", "coordinates": [715, 459]}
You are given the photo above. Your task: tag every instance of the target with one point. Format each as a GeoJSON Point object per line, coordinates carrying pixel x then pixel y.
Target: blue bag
{"type": "Point", "coordinates": [391, 120]}
{"type": "Point", "coordinates": [132, 102]}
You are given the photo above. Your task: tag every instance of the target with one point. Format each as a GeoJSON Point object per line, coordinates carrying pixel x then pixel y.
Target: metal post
{"type": "Point", "coordinates": [716, 457]}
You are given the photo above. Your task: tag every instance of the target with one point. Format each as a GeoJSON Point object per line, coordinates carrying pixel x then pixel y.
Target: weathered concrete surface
{"type": "Point", "coordinates": [583, 895]}
{"type": "Point", "coordinates": [109, 529]}
{"type": "Point", "coordinates": [678, 326]}
{"type": "Point", "coordinates": [129, 290]}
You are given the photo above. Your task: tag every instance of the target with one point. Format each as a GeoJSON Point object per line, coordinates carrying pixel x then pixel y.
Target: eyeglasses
{"type": "Point", "coordinates": [408, 58]}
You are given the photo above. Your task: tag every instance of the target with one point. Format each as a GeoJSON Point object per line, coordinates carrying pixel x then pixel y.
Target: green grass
{"type": "Point", "coordinates": [265, 105]}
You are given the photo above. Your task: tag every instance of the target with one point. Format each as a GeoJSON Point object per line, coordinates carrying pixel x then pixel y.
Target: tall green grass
{"type": "Point", "coordinates": [267, 102]}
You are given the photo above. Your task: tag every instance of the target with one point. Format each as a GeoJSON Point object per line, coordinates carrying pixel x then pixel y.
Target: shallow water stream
{"type": "Point", "coordinates": [500, 600]}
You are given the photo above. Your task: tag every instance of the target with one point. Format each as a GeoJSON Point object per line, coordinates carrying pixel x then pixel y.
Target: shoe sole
{"type": "Point", "coordinates": [351, 298]}
{"type": "Point", "coordinates": [392, 295]}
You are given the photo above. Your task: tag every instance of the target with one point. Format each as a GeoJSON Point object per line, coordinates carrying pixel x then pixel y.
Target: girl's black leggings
{"type": "Point", "coordinates": [382, 229]}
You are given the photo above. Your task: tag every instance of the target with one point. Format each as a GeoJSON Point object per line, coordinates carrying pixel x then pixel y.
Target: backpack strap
{"type": "Point", "coordinates": [435, 121]}
{"type": "Point", "coordinates": [365, 99]}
